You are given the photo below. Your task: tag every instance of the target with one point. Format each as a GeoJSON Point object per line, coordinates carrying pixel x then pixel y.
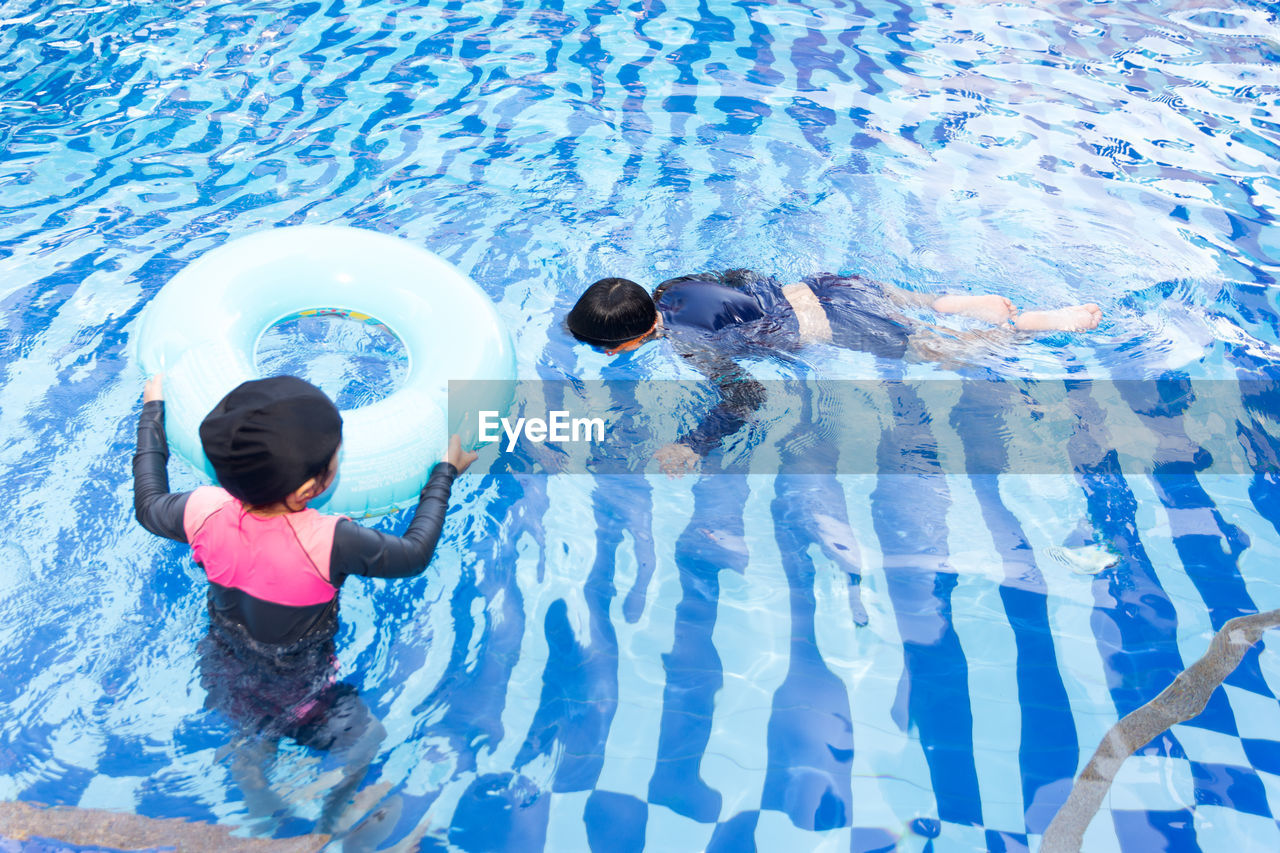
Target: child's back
{"type": "Point", "coordinates": [274, 566]}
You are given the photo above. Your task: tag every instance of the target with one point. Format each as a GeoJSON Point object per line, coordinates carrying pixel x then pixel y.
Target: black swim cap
{"type": "Point", "coordinates": [269, 436]}
{"type": "Point", "coordinates": [612, 311]}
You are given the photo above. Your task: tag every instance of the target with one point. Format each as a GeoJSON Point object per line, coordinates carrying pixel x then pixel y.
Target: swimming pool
{"type": "Point", "coordinates": [624, 663]}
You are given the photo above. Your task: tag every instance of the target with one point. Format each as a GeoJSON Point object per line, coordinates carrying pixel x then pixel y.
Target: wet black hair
{"type": "Point", "coordinates": [612, 311]}
{"type": "Point", "coordinates": [269, 436]}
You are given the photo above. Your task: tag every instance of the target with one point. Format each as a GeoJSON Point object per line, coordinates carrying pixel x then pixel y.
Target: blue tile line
{"type": "Point", "coordinates": [933, 694]}
{"type": "Point", "coordinates": [1048, 750]}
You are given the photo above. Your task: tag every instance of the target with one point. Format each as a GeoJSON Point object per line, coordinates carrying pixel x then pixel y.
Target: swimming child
{"type": "Point", "coordinates": [713, 318]}
{"type": "Point", "coordinates": [275, 567]}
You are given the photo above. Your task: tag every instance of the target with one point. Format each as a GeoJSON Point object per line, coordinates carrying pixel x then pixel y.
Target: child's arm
{"type": "Point", "coordinates": [154, 506]}
{"type": "Point", "coordinates": [358, 550]}
{"type": "Point", "coordinates": [740, 398]}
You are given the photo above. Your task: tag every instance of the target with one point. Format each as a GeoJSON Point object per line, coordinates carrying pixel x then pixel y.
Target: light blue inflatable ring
{"type": "Point", "coordinates": [202, 329]}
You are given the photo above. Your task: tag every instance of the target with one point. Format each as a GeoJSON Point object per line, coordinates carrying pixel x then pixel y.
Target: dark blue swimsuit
{"type": "Point", "coordinates": [715, 318]}
{"type": "Point", "coordinates": [758, 313]}
{"type": "Point", "coordinates": [708, 306]}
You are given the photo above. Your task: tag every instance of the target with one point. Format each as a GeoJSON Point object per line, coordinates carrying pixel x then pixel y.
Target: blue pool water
{"type": "Point", "coordinates": [627, 663]}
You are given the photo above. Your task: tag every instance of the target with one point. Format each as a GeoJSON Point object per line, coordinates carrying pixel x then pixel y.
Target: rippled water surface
{"type": "Point", "coordinates": [619, 663]}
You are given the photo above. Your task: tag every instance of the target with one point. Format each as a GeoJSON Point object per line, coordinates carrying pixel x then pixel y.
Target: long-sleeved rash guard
{"type": "Point", "coordinates": [276, 601]}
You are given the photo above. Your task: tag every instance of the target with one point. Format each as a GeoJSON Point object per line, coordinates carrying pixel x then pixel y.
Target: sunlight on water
{"type": "Point", "coordinates": [653, 646]}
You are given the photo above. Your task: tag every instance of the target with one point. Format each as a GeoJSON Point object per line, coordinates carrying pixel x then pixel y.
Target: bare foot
{"type": "Point", "coordinates": [989, 307]}
{"type": "Point", "coordinates": [1073, 318]}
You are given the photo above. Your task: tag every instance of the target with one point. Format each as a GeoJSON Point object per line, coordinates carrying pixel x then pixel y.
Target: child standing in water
{"type": "Point", "coordinates": [275, 568]}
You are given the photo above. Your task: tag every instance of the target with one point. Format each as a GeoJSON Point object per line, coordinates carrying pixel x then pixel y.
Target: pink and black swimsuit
{"type": "Point", "coordinates": [276, 578]}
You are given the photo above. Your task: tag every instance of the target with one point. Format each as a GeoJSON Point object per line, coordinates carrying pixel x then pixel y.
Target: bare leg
{"type": "Point", "coordinates": [992, 308]}
{"type": "Point", "coordinates": [251, 760]}
{"type": "Point", "coordinates": [350, 733]}
{"type": "Point", "coordinates": [1073, 318]}
{"type": "Point", "coordinates": [1000, 311]}
{"type": "Point", "coordinates": [988, 307]}
{"type": "Point", "coordinates": [358, 757]}
{"type": "Point", "coordinates": [908, 298]}
{"type": "Point", "coordinates": [953, 349]}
